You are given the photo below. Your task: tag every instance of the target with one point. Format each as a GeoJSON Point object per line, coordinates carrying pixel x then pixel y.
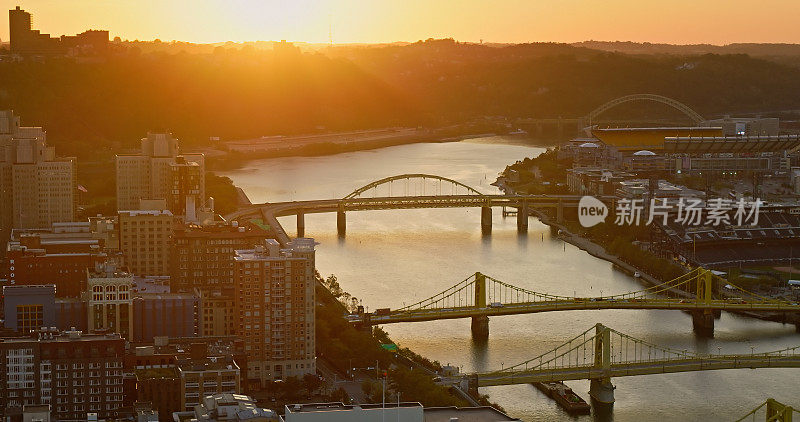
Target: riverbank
{"type": "Point", "coordinates": [238, 153]}
{"type": "Point", "coordinates": [597, 250]}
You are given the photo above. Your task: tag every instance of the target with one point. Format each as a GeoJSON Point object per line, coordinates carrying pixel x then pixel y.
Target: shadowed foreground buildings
{"type": "Point", "coordinates": [74, 373]}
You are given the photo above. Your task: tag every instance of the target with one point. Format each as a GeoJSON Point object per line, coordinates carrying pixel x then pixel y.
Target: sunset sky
{"type": "Point", "coordinates": [366, 21]}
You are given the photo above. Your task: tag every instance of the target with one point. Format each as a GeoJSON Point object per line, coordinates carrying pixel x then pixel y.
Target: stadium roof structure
{"type": "Point", "coordinates": [771, 225]}
{"type": "Point", "coordinates": [730, 144]}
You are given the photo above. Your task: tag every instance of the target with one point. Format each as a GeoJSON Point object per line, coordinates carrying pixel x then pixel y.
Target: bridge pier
{"type": "Point", "coordinates": [480, 327]}
{"type": "Point", "coordinates": [602, 390]}
{"type": "Point", "coordinates": [486, 220]}
{"type": "Point", "coordinates": [341, 223]}
{"type": "Point", "coordinates": [365, 325]}
{"type": "Point", "coordinates": [522, 218]}
{"type": "Point", "coordinates": [560, 212]}
{"type": "Point", "coordinates": [703, 322]}
{"type": "Point", "coordinates": [301, 224]}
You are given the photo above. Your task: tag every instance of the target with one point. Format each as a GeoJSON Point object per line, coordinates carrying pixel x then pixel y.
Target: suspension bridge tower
{"type": "Point", "coordinates": [480, 324]}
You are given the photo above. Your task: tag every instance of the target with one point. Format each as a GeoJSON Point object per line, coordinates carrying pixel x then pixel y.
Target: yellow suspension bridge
{"type": "Point", "coordinates": [601, 353]}
{"type": "Point", "coordinates": [774, 411]}
{"type": "Point", "coordinates": [480, 296]}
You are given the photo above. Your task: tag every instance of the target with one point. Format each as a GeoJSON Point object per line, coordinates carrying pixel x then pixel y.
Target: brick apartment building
{"type": "Point", "coordinates": [275, 308]}
{"type": "Point", "coordinates": [74, 373]}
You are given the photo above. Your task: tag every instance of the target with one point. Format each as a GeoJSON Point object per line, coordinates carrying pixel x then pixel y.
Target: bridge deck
{"type": "Point", "coordinates": [578, 304]}
{"type": "Point", "coordinates": [649, 367]}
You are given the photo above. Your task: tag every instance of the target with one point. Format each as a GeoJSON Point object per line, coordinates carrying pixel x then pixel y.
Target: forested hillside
{"type": "Point", "coordinates": [90, 107]}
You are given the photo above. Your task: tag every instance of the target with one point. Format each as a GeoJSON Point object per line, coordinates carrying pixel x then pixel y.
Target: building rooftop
{"type": "Point", "coordinates": [465, 414]}
{"type": "Point", "coordinates": [429, 414]}
{"type": "Point", "coordinates": [149, 373]}
{"type": "Point", "coordinates": [213, 363]}
{"type": "Point", "coordinates": [730, 144]}
{"type": "Point", "coordinates": [108, 269]}
{"type": "Point", "coordinates": [27, 288]}
{"type": "Point", "coordinates": [339, 406]}
{"type": "Point", "coordinates": [151, 284]}
{"type": "Point", "coordinates": [218, 230]}
{"type": "Point", "coordinates": [54, 335]}
{"type": "Point", "coordinates": [133, 213]}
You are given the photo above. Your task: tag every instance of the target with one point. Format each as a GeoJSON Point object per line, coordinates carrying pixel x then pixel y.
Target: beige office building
{"type": "Point", "coordinates": [152, 174]}
{"type": "Point", "coordinates": [144, 239]}
{"type": "Point", "coordinates": [37, 188]}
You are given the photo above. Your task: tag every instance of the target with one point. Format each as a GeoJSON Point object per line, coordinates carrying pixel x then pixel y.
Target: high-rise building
{"type": "Point", "coordinates": [145, 239]}
{"type": "Point", "coordinates": [74, 373]}
{"type": "Point", "coordinates": [159, 172]}
{"type": "Point", "coordinates": [37, 188]}
{"type": "Point", "coordinates": [218, 312]}
{"type": "Point", "coordinates": [275, 306]}
{"type": "Point", "coordinates": [202, 255]}
{"type": "Point", "coordinates": [109, 300]}
{"type": "Point", "coordinates": [28, 41]}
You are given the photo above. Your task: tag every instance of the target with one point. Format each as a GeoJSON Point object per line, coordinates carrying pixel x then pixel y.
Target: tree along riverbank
{"type": "Point", "coordinates": [407, 373]}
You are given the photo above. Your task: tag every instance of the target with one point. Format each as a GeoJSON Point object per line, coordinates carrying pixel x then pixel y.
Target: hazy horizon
{"type": "Point", "coordinates": [677, 22]}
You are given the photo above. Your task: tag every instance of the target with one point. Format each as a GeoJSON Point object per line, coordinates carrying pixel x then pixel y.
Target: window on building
{"type": "Point", "coordinates": [29, 317]}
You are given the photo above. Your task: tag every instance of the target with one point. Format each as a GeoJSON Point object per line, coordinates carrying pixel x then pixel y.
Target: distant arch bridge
{"type": "Point", "coordinates": [568, 126]}
{"type": "Point", "coordinates": [408, 191]}
{"type": "Point", "coordinates": [677, 105]}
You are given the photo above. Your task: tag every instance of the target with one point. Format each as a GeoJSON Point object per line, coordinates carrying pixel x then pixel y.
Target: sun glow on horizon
{"type": "Point", "coordinates": [366, 21]}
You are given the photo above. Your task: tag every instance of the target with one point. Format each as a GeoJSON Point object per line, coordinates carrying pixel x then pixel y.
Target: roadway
{"type": "Point", "coordinates": [432, 314]}
{"type": "Point", "coordinates": [270, 211]}
{"type": "Point", "coordinates": [649, 367]}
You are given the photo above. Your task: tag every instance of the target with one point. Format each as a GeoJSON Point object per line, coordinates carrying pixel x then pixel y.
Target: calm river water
{"type": "Point", "coordinates": [391, 258]}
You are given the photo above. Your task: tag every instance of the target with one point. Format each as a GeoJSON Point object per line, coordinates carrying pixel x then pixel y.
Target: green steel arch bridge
{"type": "Point", "coordinates": [408, 191]}
{"type": "Point", "coordinates": [602, 353]}
{"type": "Point", "coordinates": [481, 296]}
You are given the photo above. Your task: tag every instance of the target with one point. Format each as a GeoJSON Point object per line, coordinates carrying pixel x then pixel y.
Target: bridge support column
{"type": "Point", "coordinates": [522, 218]}
{"type": "Point", "coordinates": [486, 220]}
{"type": "Point", "coordinates": [301, 224]}
{"type": "Point", "coordinates": [703, 322]}
{"type": "Point", "coordinates": [365, 325]}
{"type": "Point", "coordinates": [793, 318]}
{"type": "Point", "coordinates": [560, 212]}
{"type": "Point", "coordinates": [341, 222]}
{"type": "Point", "coordinates": [602, 390]}
{"type": "Point", "coordinates": [480, 327]}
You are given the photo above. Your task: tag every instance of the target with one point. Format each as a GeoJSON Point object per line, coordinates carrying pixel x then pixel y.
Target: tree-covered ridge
{"type": "Point", "coordinates": [92, 108]}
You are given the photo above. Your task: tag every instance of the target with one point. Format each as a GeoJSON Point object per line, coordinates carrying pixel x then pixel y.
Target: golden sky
{"type": "Point", "coordinates": [669, 21]}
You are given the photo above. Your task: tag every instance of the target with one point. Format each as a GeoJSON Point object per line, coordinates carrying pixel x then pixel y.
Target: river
{"type": "Point", "coordinates": [392, 258]}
